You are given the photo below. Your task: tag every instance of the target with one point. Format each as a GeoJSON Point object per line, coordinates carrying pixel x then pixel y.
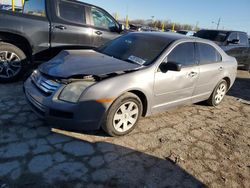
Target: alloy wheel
{"type": "Point", "coordinates": [10, 64]}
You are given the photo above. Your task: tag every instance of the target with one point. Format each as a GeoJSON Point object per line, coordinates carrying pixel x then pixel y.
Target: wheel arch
{"type": "Point", "coordinates": [143, 99]}
{"type": "Point", "coordinates": [17, 40]}
{"type": "Point", "coordinates": [227, 79]}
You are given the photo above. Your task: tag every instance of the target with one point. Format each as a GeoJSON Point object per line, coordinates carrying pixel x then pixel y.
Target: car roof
{"type": "Point", "coordinates": [164, 35]}
{"type": "Point", "coordinates": [186, 30]}
{"type": "Point", "coordinates": [170, 37]}
{"type": "Point", "coordinates": [225, 31]}
{"type": "Point", "coordinates": [87, 4]}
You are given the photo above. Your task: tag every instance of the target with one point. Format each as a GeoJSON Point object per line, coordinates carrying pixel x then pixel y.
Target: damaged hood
{"type": "Point", "coordinates": [70, 63]}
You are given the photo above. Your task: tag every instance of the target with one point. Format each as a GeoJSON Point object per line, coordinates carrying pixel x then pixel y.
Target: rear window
{"type": "Point", "coordinates": [72, 12]}
{"type": "Point", "coordinates": [207, 54]}
{"type": "Point", "coordinates": [219, 36]}
{"type": "Point", "coordinates": [35, 7]}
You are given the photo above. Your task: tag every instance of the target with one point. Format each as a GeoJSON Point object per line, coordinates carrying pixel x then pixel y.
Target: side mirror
{"type": "Point", "coordinates": [122, 27]}
{"type": "Point", "coordinates": [117, 29]}
{"type": "Point", "coordinates": [234, 41]}
{"type": "Point", "coordinates": [170, 66]}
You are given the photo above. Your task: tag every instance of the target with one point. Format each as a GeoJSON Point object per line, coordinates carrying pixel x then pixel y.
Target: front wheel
{"type": "Point", "coordinates": [218, 94]}
{"type": "Point", "coordinates": [123, 115]}
{"type": "Point", "coordinates": [12, 62]}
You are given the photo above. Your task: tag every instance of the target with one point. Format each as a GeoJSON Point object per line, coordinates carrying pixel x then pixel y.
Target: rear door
{"type": "Point", "coordinates": [69, 24]}
{"type": "Point", "coordinates": [33, 24]}
{"type": "Point", "coordinates": [232, 49]}
{"type": "Point", "coordinates": [105, 28]}
{"type": "Point", "coordinates": [211, 70]}
{"type": "Point", "coordinates": [175, 88]}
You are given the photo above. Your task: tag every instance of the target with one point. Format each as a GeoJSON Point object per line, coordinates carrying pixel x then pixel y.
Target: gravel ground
{"type": "Point", "coordinates": [191, 146]}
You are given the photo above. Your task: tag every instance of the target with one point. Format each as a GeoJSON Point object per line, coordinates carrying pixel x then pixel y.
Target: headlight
{"type": "Point", "coordinates": [35, 75]}
{"type": "Point", "coordinates": [73, 91]}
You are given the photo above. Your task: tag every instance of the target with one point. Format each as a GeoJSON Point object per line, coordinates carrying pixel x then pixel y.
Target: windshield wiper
{"type": "Point", "coordinates": [130, 61]}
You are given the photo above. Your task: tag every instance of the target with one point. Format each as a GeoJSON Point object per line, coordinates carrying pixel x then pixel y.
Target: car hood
{"type": "Point", "coordinates": [71, 63]}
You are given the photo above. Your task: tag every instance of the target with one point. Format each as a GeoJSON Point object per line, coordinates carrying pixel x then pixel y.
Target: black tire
{"type": "Point", "coordinates": [108, 124]}
{"type": "Point", "coordinates": [212, 100]}
{"type": "Point", "coordinates": [19, 71]}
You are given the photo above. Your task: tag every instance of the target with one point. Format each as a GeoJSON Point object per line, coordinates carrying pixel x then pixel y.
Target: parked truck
{"type": "Point", "coordinates": [45, 27]}
{"type": "Point", "coordinates": [234, 43]}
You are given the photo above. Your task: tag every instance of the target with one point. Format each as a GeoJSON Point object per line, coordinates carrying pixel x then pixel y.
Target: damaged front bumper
{"type": "Point", "coordinates": [84, 115]}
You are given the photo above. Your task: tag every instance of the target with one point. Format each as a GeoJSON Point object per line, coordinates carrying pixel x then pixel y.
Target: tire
{"type": "Point", "coordinates": [117, 119]}
{"type": "Point", "coordinates": [12, 62]}
{"type": "Point", "coordinates": [218, 94]}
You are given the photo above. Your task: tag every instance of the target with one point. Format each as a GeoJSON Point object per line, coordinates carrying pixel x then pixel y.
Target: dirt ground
{"type": "Point", "coordinates": [191, 146]}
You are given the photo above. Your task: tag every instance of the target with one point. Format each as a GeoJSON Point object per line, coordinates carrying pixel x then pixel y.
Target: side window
{"type": "Point", "coordinates": [207, 54]}
{"type": "Point", "coordinates": [101, 19]}
{"type": "Point", "coordinates": [232, 36]}
{"type": "Point", "coordinates": [243, 39]}
{"type": "Point", "coordinates": [184, 54]}
{"type": "Point", "coordinates": [35, 7]}
{"type": "Point", "coordinates": [72, 12]}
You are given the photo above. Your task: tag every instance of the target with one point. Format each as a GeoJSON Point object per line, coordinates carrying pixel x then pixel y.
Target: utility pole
{"type": "Point", "coordinates": [218, 24]}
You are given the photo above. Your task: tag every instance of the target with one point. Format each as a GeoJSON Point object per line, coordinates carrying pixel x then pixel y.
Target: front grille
{"type": "Point", "coordinates": [45, 85]}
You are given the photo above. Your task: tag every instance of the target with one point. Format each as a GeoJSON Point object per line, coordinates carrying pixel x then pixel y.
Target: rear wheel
{"type": "Point", "coordinates": [123, 115]}
{"type": "Point", "coordinates": [218, 93]}
{"type": "Point", "coordinates": [12, 62]}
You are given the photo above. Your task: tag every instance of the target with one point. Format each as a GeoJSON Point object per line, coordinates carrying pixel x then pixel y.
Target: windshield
{"type": "Point", "coordinates": [219, 36]}
{"type": "Point", "coordinates": [135, 48]}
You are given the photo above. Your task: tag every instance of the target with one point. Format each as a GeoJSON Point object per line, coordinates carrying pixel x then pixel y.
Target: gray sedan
{"type": "Point", "coordinates": [135, 75]}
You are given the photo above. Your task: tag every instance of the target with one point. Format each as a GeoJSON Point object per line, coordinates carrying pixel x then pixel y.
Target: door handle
{"type": "Point", "coordinates": [192, 74]}
{"type": "Point", "coordinates": [98, 32]}
{"type": "Point", "coordinates": [61, 27]}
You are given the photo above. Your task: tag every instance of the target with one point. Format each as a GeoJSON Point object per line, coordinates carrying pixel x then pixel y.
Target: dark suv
{"type": "Point", "coordinates": [235, 43]}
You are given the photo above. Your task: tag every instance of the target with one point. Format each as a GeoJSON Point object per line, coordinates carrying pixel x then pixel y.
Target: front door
{"type": "Point", "coordinates": [243, 58]}
{"type": "Point", "coordinates": [105, 28]}
{"type": "Point", "coordinates": [238, 50]}
{"type": "Point", "coordinates": [176, 87]}
{"type": "Point", "coordinates": [69, 25]}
